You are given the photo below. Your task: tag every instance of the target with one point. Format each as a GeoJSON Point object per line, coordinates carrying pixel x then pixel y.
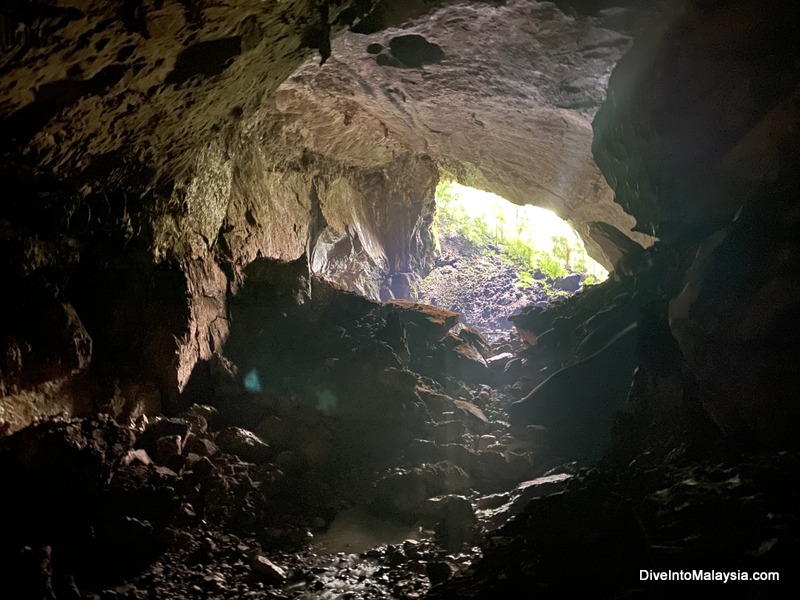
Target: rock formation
{"type": "Point", "coordinates": [125, 166]}
{"type": "Point", "coordinates": [506, 109]}
{"type": "Point", "coordinates": [191, 200]}
{"type": "Point", "coordinates": [697, 138]}
{"type": "Point", "coordinates": [156, 151]}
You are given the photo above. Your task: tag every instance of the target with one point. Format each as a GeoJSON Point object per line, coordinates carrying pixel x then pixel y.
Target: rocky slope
{"type": "Point", "coordinates": [484, 290]}
{"type": "Point", "coordinates": [266, 487]}
{"type": "Point", "coordinates": [286, 439]}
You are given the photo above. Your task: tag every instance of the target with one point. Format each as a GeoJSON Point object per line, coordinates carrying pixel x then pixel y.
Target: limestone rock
{"type": "Point", "coordinates": [474, 416]}
{"type": "Point", "coordinates": [439, 571]}
{"type": "Point", "coordinates": [612, 241]}
{"type": "Point", "coordinates": [650, 156]}
{"type": "Point", "coordinates": [133, 400]}
{"type": "Point", "coordinates": [136, 147]}
{"type": "Point", "coordinates": [447, 432]}
{"type": "Point", "coordinates": [716, 202]}
{"type": "Point", "coordinates": [151, 85]}
{"type": "Point", "coordinates": [511, 504]}
{"type": "Point", "coordinates": [568, 283]}
{"type": "Point", "coordinates": [263, 569]}
{"type": "Point", "coordinates": [200, 446]}
{"type": "Point", "coordinates": [577, 403]}
{"type": "Point", "coordinates": [454, 518]}
{"type": "Point", "coordinates": [428, 322]}
{"type": "Point", "coordinates": [465, 362]}
{"type": "Point", "coordinates": [244, 444]}
{"type": "Point", "coordinates": [404, 491]}
{"type": "Point", "coordinates": [468, 106]}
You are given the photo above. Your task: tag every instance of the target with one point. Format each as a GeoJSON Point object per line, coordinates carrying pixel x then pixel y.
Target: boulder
{"type": "Point", "coordinates": [569, 283]}
{"type": "Point", "coordinates": [244, 444]}
{"type": "Point", "coordinates": [425, 322]}
{"type": "Point", "coordinates": [576, 404]}
{"type": "Point", "coordinates": [404, 491]}
{"type": "Point", "coordinates": [264, 570]}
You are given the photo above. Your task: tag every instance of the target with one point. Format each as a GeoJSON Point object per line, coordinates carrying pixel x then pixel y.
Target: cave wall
{"type": "Point", "coordinates": [147, 298]}
{"type": "Point", "coordinates": [698, 138]}
{"type": "Point", "coordinates": [122, 163]}
{"type": "Point", "coordinates": [151, 153]}
{"type": "Point", "coordinates": [700, 115]}
{"type": "Point", "coordinates": [359, 227]}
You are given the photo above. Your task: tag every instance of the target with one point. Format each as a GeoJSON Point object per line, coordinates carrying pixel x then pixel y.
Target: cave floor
{"type": "Point", "coordinates": [384, 466]}
{"type": "Point", "coordinates": [139, 536]}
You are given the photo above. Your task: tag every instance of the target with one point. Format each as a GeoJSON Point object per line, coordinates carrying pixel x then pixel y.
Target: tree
{"type": "Point", "coordinates": [562, 250]}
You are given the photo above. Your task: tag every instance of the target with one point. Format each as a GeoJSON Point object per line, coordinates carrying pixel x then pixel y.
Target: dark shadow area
{"type": "Point", "coordinates": [205, 59]}
{"type": "Point", "coordinates": [414, 50]}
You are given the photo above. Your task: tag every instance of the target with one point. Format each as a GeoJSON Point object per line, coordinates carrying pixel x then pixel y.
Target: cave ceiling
{"type": "Point", "coordinates": [501, 96]}
{"type": "Point", "coordinates": [96, 92]}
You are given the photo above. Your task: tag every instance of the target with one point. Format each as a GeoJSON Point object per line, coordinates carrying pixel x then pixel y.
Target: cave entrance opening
{"type": "Point", "coordinates": [494, 257]}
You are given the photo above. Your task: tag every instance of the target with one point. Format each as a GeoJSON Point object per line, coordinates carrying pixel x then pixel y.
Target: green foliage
{"type": "Point", "coordinates": [477, 231]}
{"type": "Point", "coordinates": [590, 280]}
{"type": "Point", "coordinates": [550, 266]}
{"type": "Point", "coordinates": [519, 254]}
{"type": "Point", "coordinates": [508, 238]}
{"type": "Point", "coordinates": [525, 279]}
{"type": "Point", "coordinates": [445, 196]}
{"type": "Point", "coordinates": [561, 249]}
{"type": "Point", "coordinates": [553, 292]}
{"type": "Point", "coordinates": [452, 218]}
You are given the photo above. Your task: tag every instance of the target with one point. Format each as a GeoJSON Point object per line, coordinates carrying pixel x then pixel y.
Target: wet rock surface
{"type": "Point", "coordinates": [205, 524]}
{"type": "Point", "coordinates": [222, 501]}
{"type": "Point", "coordinates": [228, 499]}
{"type": "Point", "coordinates": [606, 526]}
{"type": "Point", "coordinates": [161, 221]}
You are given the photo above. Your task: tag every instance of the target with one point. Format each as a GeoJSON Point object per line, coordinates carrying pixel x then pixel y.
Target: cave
{"type": "Point", "coordinates": [494, 259]}
{"type": "Point", "coordinates": [218, 379]}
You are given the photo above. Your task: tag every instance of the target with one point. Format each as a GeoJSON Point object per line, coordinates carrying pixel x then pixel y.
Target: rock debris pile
{"type": "Point", "coordinates": [381, 464]}
{"type": "Point", "coordinates": [485, 290]}
{"type": "Point", "coordinates": [390, 413]}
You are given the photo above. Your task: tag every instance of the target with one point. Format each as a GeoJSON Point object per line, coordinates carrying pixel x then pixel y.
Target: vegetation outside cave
{"type": "Point", "coordinates": [495, 257]}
